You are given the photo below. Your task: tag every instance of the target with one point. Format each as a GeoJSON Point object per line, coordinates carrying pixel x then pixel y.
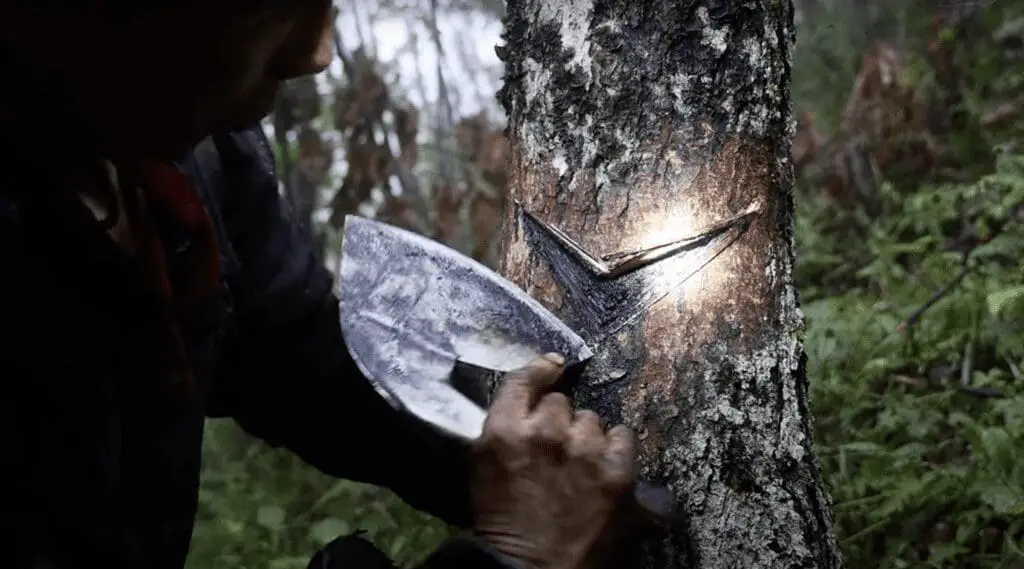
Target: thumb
{"type": "Point", "coordinates": [522, 388]}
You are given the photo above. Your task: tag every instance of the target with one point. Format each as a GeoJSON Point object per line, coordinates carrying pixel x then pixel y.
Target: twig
{"type": "Point", "coordinates": [937, 296]}
{"type": "Point", "coordinates": [967, 367]}
{"type": "Point", "coordinates": [923, 384]}
{"type": "Point", "coordinates": [910, 381]}
{"type": "Point", "coordinates": [980, 392]}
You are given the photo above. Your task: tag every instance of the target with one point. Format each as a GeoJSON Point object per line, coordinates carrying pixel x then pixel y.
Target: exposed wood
{"type": "Point", "coordinates": [632, 124]}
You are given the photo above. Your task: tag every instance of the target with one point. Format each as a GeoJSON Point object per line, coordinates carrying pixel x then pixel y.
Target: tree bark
{"type": "Point", "coordinates": [634, 119]}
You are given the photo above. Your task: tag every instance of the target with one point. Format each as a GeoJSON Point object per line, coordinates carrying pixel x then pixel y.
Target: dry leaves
{"type": "Point", "coordinates": [464, 212]}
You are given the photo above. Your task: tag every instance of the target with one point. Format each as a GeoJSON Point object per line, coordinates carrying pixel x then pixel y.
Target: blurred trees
{"type": "Point", "coordinates": [427, 167]}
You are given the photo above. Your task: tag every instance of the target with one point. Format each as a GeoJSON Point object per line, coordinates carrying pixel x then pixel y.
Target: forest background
{"type": "Point", "coordinates": [910, 201]}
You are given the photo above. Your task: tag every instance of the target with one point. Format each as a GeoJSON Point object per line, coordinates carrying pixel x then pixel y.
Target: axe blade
{"type": "Point", "coordinates": [414, 312]}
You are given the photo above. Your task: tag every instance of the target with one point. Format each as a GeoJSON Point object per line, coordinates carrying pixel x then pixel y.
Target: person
{"type": "Point", "coordinates": [152, 278]}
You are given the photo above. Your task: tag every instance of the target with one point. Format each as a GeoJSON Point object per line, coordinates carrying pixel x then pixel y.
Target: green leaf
{"type": "Point", "coordinates": [337, 489]}
{"type": "Point", "coordinates": [876, 367]}
{"type": "Point", "coordinates": [295, 562]}
{"type": "Point", "coordinates": [997, 301]}
{"type": "Point", "coordinates": [944, 551]}
{"type": "Point", "coordinates": [328, 529]}
{"type": "Point", "coordinates": [998, 444]}
{"type": "Point", "coordinates": [863, 447]}
{"type": "Point", "coordinates": [233, 527]}
{"type": "Point", "coordinates": [999, 496]}
{"type": "Point", "coordinates": [398, 546]}
{"type": "Point", "coordinates": [1016, 509]}
{"type": "Point", "coordinates": [270, 517]}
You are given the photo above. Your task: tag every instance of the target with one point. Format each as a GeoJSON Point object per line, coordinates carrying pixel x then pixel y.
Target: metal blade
{"type": "Point", "coordinates": [412, 308]}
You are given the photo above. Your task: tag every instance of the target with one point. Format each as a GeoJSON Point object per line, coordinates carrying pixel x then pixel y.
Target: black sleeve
{"type": "Point", "coordinates": [286, 376]}
{"type": "Point", "coordinates": [354, 552]}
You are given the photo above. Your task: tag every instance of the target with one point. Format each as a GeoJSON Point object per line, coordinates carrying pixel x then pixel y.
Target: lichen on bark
{"type": "Point", "coordinates": [633, 122]}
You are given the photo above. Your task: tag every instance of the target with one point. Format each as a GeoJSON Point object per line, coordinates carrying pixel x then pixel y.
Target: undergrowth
{"type": "Point", "coordinates": [264, 508]}
{"type": "Point", "coordinates": [916, 374]}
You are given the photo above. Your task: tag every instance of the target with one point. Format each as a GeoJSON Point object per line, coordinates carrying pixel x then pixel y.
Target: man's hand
{"type": "Point", "coordinates": [547, 480]}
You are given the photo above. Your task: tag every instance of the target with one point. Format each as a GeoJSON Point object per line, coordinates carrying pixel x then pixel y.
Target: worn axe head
{"type": "Point", "coordinates": [419, 317]}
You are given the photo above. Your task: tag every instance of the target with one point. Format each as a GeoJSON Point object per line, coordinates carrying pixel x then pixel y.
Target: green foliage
{"type": "Point", "coordinates": [263, 508]}
{"type": "Point", "coordinates": [922, 467]}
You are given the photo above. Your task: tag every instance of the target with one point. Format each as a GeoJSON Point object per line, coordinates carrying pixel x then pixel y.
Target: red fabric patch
{"type": "Point", "coordinates": [169, 194]}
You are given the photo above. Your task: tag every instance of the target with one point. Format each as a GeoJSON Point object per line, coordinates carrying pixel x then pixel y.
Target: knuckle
{"type": "Point", "coordinates": [586, 450]}
{"type": "Point", "coordinates": [513, 379]}
{"type": "Point", "coordinates": [620, 458]}
{"type": "Point", "coordinates": [587, 440]}
{"type": "Point", "coordinates": [622, 439]}
{"type": "Point", "coordinates": [539, 369]}
{"type": "Point", "coordinates": [545, 432]}
{"type": "Point", "coordinates": [557, 401]}
{"type": "Point", "coordinates": [532, 370]}
{"type": "Point", "coordinates": [534, 428]}
{"type": "Point", "coordinates": [588, 417]}
{"type": "Point", "coordinates": [542, 432]}
{"type": "Point", "coordinates": [501, 431]}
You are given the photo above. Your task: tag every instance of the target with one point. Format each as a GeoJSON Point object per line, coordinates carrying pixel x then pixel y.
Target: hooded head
{"type": "Point", "coordinates": [148, 78]}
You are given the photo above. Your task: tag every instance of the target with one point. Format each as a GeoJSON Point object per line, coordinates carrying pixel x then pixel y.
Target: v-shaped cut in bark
{"type": "Point", "coordinates": [605, 293]}
{"type": "Point", "coordinates": [617, 264]}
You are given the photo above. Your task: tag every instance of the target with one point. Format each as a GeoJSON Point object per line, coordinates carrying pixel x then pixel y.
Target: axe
{"type": "Point", "coordinates": [431, 328]}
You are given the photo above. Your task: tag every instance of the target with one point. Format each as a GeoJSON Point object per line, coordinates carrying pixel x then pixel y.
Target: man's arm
{"type": "Point", "coordinates": [286, 376]}
{"type": "Point", "coordinates": [355, 552]}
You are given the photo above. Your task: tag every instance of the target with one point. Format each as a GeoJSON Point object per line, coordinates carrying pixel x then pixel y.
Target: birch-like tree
{"type": "Point", "coordinates": [634, 123]}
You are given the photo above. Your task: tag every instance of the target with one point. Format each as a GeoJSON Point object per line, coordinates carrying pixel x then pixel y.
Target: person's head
{"type": "Point", "coordinates": [154, 76]}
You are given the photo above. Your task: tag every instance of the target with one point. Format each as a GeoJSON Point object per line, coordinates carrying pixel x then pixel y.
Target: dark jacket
{"type": "Point", "coordinates": [101, 453]}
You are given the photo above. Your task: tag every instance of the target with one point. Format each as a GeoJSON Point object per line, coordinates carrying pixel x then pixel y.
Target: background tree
{"type": "Point", "coordinates": [632, 124]}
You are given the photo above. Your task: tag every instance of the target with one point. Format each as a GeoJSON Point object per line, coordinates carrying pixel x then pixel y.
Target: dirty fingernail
{"type": "Point", "coordinates": [554, 358]}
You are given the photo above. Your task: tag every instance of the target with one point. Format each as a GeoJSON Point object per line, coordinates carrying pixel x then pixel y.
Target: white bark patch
{"type": "Point", "coordinates": [536, 83]}
{"type": "Point", "coordinates": [561, 166]}
{"type": "Point", "coordinates": [573, 19]}
{"type": "Point", "coordinates": [715, 38]}
{"type": "Point", "coordinates": [753, 51]}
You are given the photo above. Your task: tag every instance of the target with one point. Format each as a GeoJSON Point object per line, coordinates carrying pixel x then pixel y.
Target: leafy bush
{"type": "Point", "coordinates": [919, 413]}
{"type": "Point", "coordinates": [264, 508]}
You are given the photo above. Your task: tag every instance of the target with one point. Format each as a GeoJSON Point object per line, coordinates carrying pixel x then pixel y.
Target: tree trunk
{"type": "Point", "coordinates": [630, 119]}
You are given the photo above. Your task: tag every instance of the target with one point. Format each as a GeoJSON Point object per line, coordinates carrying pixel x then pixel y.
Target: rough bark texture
{"type": "Point", "coordinates": [630, 123]}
